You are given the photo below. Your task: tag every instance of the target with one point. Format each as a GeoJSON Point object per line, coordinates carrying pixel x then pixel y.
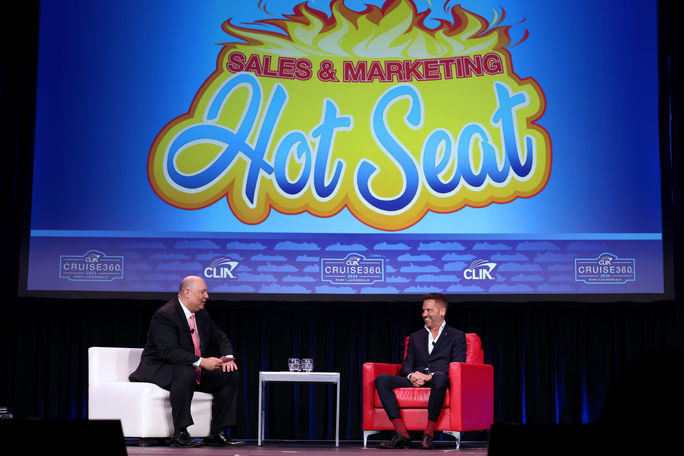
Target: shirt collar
{"type": "Point", "coordinates": [185, 310]}
{"type": "Point", "coordinates": [441, 328]}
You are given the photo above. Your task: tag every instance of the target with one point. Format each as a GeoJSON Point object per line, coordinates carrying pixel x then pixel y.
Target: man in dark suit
{"type": "Point", "coordinates": [426, 364]}
{"type": "Point", "coordinates": [186, 352]}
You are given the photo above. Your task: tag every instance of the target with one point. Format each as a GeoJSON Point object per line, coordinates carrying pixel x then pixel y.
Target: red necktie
{"type": "Point", "coordinates": [195, 342]}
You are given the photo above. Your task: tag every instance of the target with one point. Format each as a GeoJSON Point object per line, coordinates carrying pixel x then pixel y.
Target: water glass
{"type": "Point", "coordinates": [294, 364]}
{"type": "Point", "coordinates": [307, 364]}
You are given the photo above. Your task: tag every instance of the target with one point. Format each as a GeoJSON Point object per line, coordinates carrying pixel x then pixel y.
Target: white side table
{"type": "Point", "coordinates": [309, 377]}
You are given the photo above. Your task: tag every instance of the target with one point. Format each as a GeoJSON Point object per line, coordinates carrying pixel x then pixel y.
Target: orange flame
{"type": "Point", "coordinates": [394, 30]}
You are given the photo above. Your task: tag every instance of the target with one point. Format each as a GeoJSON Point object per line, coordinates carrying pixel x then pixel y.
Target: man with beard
{"type": "Point", "coordinates": [426, 364]}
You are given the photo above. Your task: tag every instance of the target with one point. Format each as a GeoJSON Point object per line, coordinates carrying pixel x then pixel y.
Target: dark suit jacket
{"type": "Point", "coordinates": [450, 347]}
{"type": "Point", "coordinates": [169, 343]}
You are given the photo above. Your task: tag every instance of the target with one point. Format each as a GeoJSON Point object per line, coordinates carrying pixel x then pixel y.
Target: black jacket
{"type": "Point", "coordinates": [169, 342]}
{"type": "Point", "coordinates": [450, 347]}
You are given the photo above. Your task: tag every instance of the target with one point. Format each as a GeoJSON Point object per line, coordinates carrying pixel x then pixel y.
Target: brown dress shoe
{"type": "Point", "coordinates": [426, 444]}
{"type": "Point", "coordinates": [397, 441]}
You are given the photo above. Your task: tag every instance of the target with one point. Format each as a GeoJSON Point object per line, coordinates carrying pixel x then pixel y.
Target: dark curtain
{"type": "Point", "coordinates": [555, 361]}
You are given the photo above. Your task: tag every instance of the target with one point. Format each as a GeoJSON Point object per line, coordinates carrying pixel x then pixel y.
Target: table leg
{"type": "Point", "coordinates": [260, 425]}
{"type": "Point", "coordinates": [337, 419]}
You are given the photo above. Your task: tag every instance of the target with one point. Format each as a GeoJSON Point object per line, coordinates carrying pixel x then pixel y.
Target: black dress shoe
{"type": "Point", "coordinates": [223, 439]}
{"type": "Point", "coordinates": [183, 440]}
{"type": "Point", "coordinates": [426, 444]}
{"type": "Point", "coordinates": [397, 441]}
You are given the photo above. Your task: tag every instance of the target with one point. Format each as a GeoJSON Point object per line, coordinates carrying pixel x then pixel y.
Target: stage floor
{"type": "Point", "coordinates": [273, 448]}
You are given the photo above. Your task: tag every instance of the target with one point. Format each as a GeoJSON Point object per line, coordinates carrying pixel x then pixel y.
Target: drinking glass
{"type": "Point", "coordinates": [294, 364]}
{"type": "Point", "coordinates": [307, 364]}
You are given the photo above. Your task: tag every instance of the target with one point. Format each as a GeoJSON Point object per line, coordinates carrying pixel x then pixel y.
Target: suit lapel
{"type": "Point", "coordinates": [183, 323]}
{"type": "Point", "coordinates": [441, 340]}
{"type": "Point", "coordinates": [203, 330]}
{"type": "Point", "coordinates": [424, 341]}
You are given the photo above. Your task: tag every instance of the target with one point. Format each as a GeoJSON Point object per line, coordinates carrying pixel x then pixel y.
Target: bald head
{"type": "Point", "coordinates": [193, 293]}
{"type": "Point", "coordinates": [188, 282]}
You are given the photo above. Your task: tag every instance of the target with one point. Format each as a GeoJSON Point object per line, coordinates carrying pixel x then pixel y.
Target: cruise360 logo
{"type": "Point", "coordinates": [354, 269]}
{"type": "Point", "coordinates": [92, 266]}
{"type": "Point", "coordinates": [605, 269]}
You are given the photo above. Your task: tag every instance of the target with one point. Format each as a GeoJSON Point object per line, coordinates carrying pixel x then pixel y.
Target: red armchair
{"type": "Point", "coordinates": [468, 406]}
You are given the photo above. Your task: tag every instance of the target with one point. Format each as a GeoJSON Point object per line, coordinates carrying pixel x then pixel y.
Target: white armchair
{"type": "Point", "coordinates": [143, 408]}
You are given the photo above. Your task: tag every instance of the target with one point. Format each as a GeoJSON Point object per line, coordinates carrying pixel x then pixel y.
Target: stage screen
{"type": "Point", "coordinates": [346, 147]}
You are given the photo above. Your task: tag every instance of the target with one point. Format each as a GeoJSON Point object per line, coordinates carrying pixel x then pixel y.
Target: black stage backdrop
{"type": "Point", "coordinates": [555, 362]}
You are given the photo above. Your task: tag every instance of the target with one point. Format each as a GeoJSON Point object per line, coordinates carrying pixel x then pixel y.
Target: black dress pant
{"type": "Point", "coordinates": [223, 385]}
{"type": "Point", "coordinates": [385, 385]}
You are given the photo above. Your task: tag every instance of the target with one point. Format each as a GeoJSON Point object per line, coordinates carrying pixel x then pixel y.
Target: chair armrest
{"type": "Point", "coordinates": [370, 372]}
{"type": "Point", "coordinates": [472, 395]}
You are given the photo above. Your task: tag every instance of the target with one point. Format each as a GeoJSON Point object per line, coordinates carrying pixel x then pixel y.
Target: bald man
{"type": "Point", "coordinates": [186, 352]}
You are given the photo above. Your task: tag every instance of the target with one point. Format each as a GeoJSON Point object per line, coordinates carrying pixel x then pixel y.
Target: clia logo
{"type": "Point", "coordinates": [221, 268]}
{"type": "Point", "coordinates": [479, 270]}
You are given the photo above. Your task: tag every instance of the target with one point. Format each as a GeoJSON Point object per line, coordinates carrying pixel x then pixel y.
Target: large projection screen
{"type": "Point", "coordinates": [347, 147]}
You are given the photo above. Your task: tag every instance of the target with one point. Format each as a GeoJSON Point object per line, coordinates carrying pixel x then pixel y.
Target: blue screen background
{"type": "Point", "coordinates": [112, 74]}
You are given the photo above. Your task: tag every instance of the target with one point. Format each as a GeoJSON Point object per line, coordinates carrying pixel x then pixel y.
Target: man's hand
{"type": "Point", "coordinates": [225, 364]}
{"type": "Point", "coordinates": [229, 365]}
{"type": "Point", "coordinates": [210, 363]}
{"type": "Point", "coordinates": [419, 379]}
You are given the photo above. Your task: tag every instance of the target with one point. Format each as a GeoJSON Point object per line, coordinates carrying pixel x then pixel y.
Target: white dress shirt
{"type": "Point", "coordinates": [187, 317]}
{"type": "Point", "coordinates": [433, 340]}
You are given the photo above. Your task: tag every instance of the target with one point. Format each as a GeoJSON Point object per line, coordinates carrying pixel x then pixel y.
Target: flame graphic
{"type": "Point", "coordinates": [396, 29]}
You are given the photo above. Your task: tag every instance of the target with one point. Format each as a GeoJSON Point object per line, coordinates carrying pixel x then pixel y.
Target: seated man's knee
{"type": "Point", "coordinates": [183, 375]}
{"type": "Point", "coordinates": [440, 380]}
{"type": "Point", "coordinates": [233, 378]}
{"type": "Point", "coordinates": [227, 378]}
{"type": "Point", "coordinates": [381, 380]}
